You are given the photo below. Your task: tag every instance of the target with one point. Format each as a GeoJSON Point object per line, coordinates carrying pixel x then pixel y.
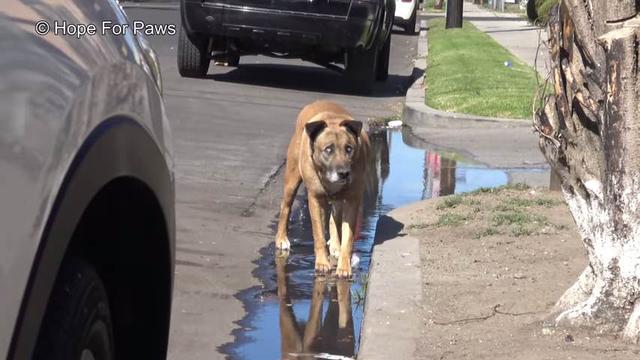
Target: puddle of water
{"type": "Point", "coordinates": [296, 315]}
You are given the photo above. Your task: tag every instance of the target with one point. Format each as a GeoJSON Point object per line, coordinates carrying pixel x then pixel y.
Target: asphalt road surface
{"type": "Point", "coordinates": [230, 133]}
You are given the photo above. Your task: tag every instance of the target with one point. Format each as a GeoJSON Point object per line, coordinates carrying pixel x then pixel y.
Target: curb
{"type": "Point", "coordinates": [417, 114]}
{"type": "Point", "coordinates": [391, 328]}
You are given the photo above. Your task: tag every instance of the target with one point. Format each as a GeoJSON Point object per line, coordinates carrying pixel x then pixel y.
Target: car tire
{"type": "Point", "coordinates": [382, 72]}
{"type": "Point", "coordinates": [77, 324]}
{"type": "Point", "coordinates": [233, 60]}
{"type": "Point", "coordinates": [410, 27]}
{"type": "Point", "coordinates": [361, 69]}
{"type": "Point", "coordinates": [193, 57]}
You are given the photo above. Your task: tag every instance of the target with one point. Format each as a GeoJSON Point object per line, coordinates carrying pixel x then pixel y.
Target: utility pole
{"type": "Point", "coordinates": [454, 14]}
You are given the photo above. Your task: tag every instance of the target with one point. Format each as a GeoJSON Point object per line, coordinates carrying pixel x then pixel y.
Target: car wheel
{"type": "Point", "coordinates": [361, 69]}
{"type": "Point", "coordinates": [382, 72]}
{"type": "Point", "coordinates": [77, 324]}
{"type": "Point", "coordinates": [410, 27]}
{"type": "Point", "coordinates": [193, 57]}
{"type": "Point", "coordinates": [233, 60]}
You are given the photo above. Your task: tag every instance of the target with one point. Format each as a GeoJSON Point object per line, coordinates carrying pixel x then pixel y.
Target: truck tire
{"type": "Point", "coordinates": [77, 324]}
{"type": "Point", "coordinates": [382, 72]}
{"type": "Point", "coordinates": [410, 27]}
{"type": "Point", "coordinates": [361, 69]}
{"type": "Point", "coordinates": [193, 57]}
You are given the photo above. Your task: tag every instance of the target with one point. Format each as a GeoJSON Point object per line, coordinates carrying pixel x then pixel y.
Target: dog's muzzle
{"type": "Point", "coordinates": [339, 176]}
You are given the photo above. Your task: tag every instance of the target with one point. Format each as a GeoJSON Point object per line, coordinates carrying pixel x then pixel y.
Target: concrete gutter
{"type": "Point", "coordinates": [417, 114]}
{"type": "Point", "coordinates": [391, 327]}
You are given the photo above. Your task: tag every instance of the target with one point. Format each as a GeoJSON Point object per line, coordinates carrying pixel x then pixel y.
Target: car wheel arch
{"type": "Point", "coordinates": [118, 151]}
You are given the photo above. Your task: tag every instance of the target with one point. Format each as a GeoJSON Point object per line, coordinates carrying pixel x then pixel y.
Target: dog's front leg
{"type": "Point", "coordinates": [317, 210]}
{"type": "Point", "coordinates": [314, 322]}
{"type": "Point", "coordinates": [350, 213]}
{"type": "Point", "coordinates": [290, 335]}
{"type": "Point", "coordinates": [335, 225]}
{"type": "Point", "coordinates": [292, 180]}
{"type": "Point", "coordinates": [345, 316]}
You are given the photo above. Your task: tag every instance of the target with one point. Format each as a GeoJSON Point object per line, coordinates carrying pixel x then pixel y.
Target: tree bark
{"type": "Point", "coordinates": [590, 134]}
{"type": "Point", "coordinates": [438, 4]}
{"type": "Point", "coordinates": [454, 14]}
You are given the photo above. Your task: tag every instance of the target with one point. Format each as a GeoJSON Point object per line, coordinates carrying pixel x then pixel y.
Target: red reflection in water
{"type": "Point", "coordinates": [439, 175]}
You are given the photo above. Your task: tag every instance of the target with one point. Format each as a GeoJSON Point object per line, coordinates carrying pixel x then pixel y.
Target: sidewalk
{"type": "Point", "coordinates": [512, 32]}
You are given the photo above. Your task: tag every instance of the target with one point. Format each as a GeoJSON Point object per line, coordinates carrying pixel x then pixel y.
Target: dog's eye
{"type": "Point", "coordinates": [348, 149]}
{"type": "Point", "coordinates": [328, 150]}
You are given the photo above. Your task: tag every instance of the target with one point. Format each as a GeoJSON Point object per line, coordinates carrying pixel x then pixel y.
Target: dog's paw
{"type": "Point", "coordinates": [344, 268]}
{"type": "Point", "coordinates": [323, 265]}
{"type": "Point", "coordinates": [343, 273]}
{"type": "Point", "coordinates": [334, 248]}
{"type": "Point", "coordinates": [283, 244]}
{"type": "Point", "coordinates": [281, 256]}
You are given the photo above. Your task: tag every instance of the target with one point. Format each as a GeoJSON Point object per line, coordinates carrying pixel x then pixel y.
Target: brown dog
{"type": "Point", "coordinates": [329, 153]}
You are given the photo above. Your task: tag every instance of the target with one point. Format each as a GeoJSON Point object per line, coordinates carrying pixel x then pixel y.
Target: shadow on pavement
{"type": "Point", "coordinates": [308, 78]}
{"type": "Point", "coordinates": [387, 229]}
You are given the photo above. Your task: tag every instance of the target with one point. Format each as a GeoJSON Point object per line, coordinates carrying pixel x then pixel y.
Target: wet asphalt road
{"type": "Point", "coordinates": [230, 133]}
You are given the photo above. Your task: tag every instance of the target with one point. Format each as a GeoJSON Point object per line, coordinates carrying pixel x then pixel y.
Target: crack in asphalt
{"type": "Point", "coordinates": [269, 179]}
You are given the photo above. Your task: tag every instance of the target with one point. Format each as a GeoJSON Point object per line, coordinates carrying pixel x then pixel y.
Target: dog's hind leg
{"type": "Point", "coordinates": [292, 180]}
{"type": "Point", "coordinates": [335, 226]}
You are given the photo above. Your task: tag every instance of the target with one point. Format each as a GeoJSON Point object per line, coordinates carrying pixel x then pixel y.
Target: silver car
{"type": "Point", "coordinates": [86, 186]}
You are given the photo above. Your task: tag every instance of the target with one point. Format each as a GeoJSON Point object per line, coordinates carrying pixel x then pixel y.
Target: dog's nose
{"type": "Point", "coordinates": [343, 174]}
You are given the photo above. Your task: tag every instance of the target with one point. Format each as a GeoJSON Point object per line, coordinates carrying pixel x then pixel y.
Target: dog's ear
{"type": "Point", "coordinates": [314, 128]}
{"type": "Point", "coordinates": [354, 126]}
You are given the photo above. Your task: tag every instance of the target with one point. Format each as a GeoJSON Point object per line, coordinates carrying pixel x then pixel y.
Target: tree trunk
{"type": "Point", "coordinates": [590, 134]}
{"type": "Point", "coordinates": [454, 14]}
{"type": "Point", "coordinates": [438, 4]}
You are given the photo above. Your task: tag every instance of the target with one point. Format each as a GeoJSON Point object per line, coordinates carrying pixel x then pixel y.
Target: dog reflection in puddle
{"type": "Point", "coordinates": [332, 336]}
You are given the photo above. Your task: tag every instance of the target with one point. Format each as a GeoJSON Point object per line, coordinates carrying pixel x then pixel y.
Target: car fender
{"type": "Point", "coordinates": [59, 90]}
{"type": "Point", "coordinates": [117, 147]}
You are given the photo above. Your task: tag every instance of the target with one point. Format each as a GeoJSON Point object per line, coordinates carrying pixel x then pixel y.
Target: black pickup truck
{"type": "Point", "coordinates": [352, 33]}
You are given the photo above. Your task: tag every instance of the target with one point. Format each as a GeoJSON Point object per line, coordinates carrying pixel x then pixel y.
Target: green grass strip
{"type": "Point", "coordinates": [466, 73]}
